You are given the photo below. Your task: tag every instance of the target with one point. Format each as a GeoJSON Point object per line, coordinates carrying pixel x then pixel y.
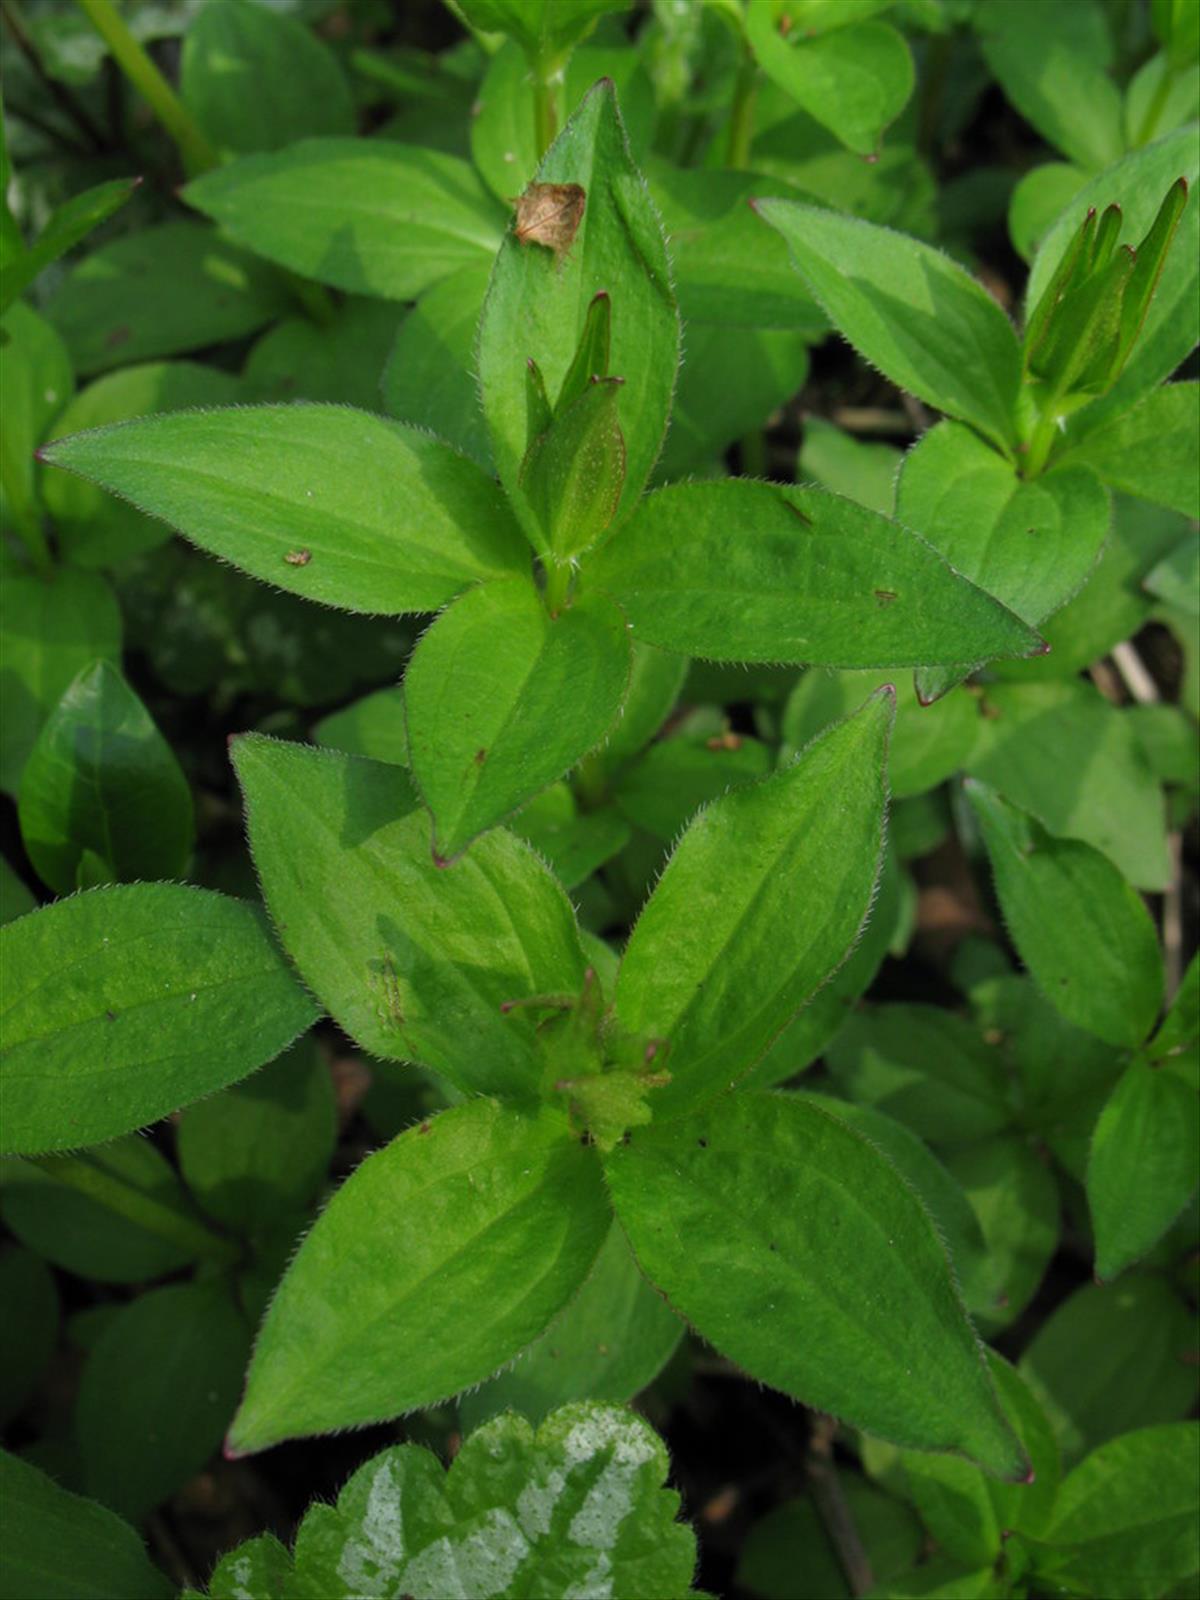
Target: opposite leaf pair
{"type": "Point", "coordinates": [518, 680]}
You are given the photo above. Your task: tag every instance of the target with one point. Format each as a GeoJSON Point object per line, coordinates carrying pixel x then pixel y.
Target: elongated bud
{"type": "Point", "coordinates": [591, 356]}
{"type": "Point", "coordinates": [573, 475]}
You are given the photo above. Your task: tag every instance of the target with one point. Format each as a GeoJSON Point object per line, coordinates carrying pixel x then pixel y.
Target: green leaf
{"type": "Point", "coordinates": [572, 842]}
{"type": "Point", "coordinates": [675, 777]}
{"type": "Point", "coordinates": [855, 80]}
{"type": "Point", "coordinates": [577, 1507]}
{"type": "Point", "coordinates": [414, 961]}
{"type": "Point", "coordinates": [910, 311]}
{"type": "Point", "coordinates": [67, 226]}
{"type": "Point", "coordinates": [1143, 1166]}
{"type": "Point", "coordinates": [728, 271]}
{"type": "Point", "coordinates": [490, 1222]}
{"type": "Point", "coordinates": [1015, 1197]}
{"type": "Point", "coordinates": [1112, 1358]}
{"type": "Point", "coordinates": [927, 1067]}
{"type": "Point", "coordinates": [97, 985]}
{"type": "Point", "coordinates": [730, 382]}
{"type": "Point", "coordinates": [757, 1216]}
{"type": "Point", "coordinates": [972, 1517]}
{"type": "Point", "coordinates": [1055, 76]}
{"type": "Point", "coordinates": [93, 528]}
{"type": "Point", "coordinates": [1031, 544]}
{"type": "Point", "coordinates": [1125, 1520]}
{"type": "Point", "coordinates": [52, 627]}
{"type": "Point", "coordinates": [1181, 1025]}
{"type": "Point", "coordinates": [102, 778]}
{"type": "Point", "coordinates": [1175, 577]}
{"type": "Point", "coordinates": [1137, 184]}
{"type": "Point", "coordinates": [1038, 200]}
{"type": "Point", "coordinates": [1148, 451]}
{"type": "Point", "coordinates": [928, 742]}
{"type": "Point", "coordinates": [371, 727]}
{"type": "Point", "coordinates": [429, 379]}
{"type": "Point", "coordinates": [334, 504]}
{"type": "Point", "coordinates": [117, 1214]}
{"type": "Point", "coordinates": [838, 461]}
{"type": "Point", "coordinates": [260, 1568]}
{"type": "Point", "coordinates": [16, 898]}
{"type": "Point", "coordinates": [161, 292]}
{"type": "Point", "coordinates": [257, 1153]}
{"type": "Point", "coordinates": [942, 1196]}
{"type": "Point", "coordinates": [255, 79]}
{"type": "Point", "coordinates": [538, 303]}
{"type": "Point", "coordinates": [610, 1342]}
{"type": "Point", "coordinates": [29, 1332]}
{"type": "Point", "coordinates": [545, 29]}
{"type": "Point", "coordinates": [502, 699]}
{"type": "Point", "coordinates": [810, 578]}
{"type": "Point", "coordinates": [1079, 927]}
{"type": "Point", "coordinates": [35, 382]}
{"type": "Point", "coordinates": [60, 1546]}
{"type": "Point", "coordinates": [722, 957]}
{"type": "Point", "coordinates": [157, 1393]}
{"type": "Point", "coordinates": [1073, 760]}
{"type": "Point", "coordinates": [789, 1555]}
{"type": "Point", "coordinates": [369, 216]}
{"type": "Point", "coordinates": [341, 360]}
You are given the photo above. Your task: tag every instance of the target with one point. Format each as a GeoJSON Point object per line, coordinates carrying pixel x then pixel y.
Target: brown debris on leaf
{"type": "Point", "coordinates": [549, 214]}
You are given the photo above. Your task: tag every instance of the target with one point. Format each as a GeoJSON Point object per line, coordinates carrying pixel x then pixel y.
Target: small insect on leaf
{"type": "Point", "coordinates": [549, 214]}
{"type": "Point", "coordinates": [298, 558]}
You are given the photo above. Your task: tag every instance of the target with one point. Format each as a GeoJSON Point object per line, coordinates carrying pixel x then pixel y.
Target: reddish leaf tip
{"type": "Point", "coordinates": [230, 1451]}
{"type": "Point", "coordinates": [1030, 1476]}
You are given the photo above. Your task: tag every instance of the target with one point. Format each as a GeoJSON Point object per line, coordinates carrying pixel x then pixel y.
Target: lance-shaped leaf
{"type": "Point", "coordinates": [58, 1543]}
{"type": "Point", "coordinates": [610, 1342]}
{"type": "Point", "coordinates": [370, 216]}
{"type": "Point", "coordinates": [1143, 1165]}
{"type": "Point", "coordinates": [1125, 1519]}
{"type": "Point", "coordinates": [762, 900]}
{"type": "Point", "coordinates": [910, 311]}
{"type": "Point", "coordinates": [538, 304]}
{"type": "Point", "coordinates": [502, 699]}
{"type": "Point", "coordinates": [333, 504]}
{"type": "Point", "coordinates": [1149, 451]}
{"type": "Point", "coordinates": [413, 961]}
{"type": "Point", "coordinates": [161, 292]}
{"type": "Point", "coordinates": [112, 1002]}
{"type": "Point", "coordinates": [1180, 1027]}
{"type": "Point", "coordinates": [435, 1263]}
{"type": "Point", "coordinates": [1172, 322]}
{"type": "Point", "coordinates": [796, 1248]}
{"type": "Point", "coordinates": [102, 778]}
{"type": "Point", "coordinates": [1079, 927]}
{"type": "Point", "coordinates": [743, 571]}
{"type": "Point", "coordinates": [1031, 544]}
{"type": "Point", "coordinates": [67, 226]}
{"type": "Point", "coordinates": [545, 29]}
{"type": "Point", "coordinates": [854, 80]}
{"type": "Point", "coordinates": [579, 1507]}
{"type": "Point", "coordinates": [573, 474]}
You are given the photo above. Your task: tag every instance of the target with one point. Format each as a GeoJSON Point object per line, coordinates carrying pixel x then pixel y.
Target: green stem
{"type": "Point", "coordinates": [741, 118]}
{"type": "Point", "coordinates": [86, 1177]}
{"type": "Point", "coordinates": [1041, 442]}
{"type": "Point", "coordinates": [24, 511]}
{"type": "Point", "coordinates": [558, 585]}
{"type": "Point", "coordinates": [1156, 108]}
{"type": "Point", "coordinates": [546, 81]}
{"type": "Point", "coordinates": [197, 153]}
